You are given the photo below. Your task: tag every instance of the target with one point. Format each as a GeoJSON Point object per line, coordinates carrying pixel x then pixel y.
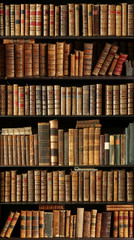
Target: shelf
{"type": "Point", "coordinates": [56, 238]}
{"type": "Point", "coordinates": [67, 203]}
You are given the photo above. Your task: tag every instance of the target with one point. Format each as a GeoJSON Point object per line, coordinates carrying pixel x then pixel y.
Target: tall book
{"type": "Point", "coordinates": [43, 138]}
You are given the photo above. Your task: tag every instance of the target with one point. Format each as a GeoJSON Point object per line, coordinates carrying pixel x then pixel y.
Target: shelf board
{"type": "Point", "coordinates": [56, 238]}
{"type": "Point", "coordinates": [68, 167]}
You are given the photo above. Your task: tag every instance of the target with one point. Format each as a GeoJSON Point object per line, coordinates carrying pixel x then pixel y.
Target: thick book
{"type": "Point", "coordinates": [80, 222]}
{"type": "Point", "coordinates": [106, 224]}
{"type": "Point", "coordinates": [43, 138]}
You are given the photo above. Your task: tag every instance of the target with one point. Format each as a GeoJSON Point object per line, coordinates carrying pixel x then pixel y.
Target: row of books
{"type": "Point", "coordinates": [58, 60]}
{"type": "Point", "coordinates": [85, 145]}
{"type": "Point", "coordinates": [90, 185]}
{"type": "Point", "coordinates": [63, 20]}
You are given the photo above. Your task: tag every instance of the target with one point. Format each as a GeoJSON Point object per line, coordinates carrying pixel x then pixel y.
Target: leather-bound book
{"type": "Point", "coordinates": [130, 18]}
{"type": "Point", "coordinates": [81, 187]}
{"type": "Point", "coordinates": [106, 149]}
{"type": "Point", "coordinates": [97, 146]}
{"type": "Point", "coordinates": [90, 17]}
{"type": "Point", "coordinates": [98, 186]}
{"type": "Point", "coordinates": [27, 19]}
{"type": "Point", "coordinates": [108, 99]}
{"type": "Point", "coordinates": [2, 187]}
{"type": "Point", "coordinates": [101, 59]}
{"type": "Point", "coordinates": [106, 224]}
{"type": "Point", "coordinates": [62, 223]}
{"type": "Point", "coordinates": [59, 58]}
{"type": "Point", "coordinates": [98, 225]}
{"type": "Point", "coordinates": [68, 216]}
{"type": "Point", "coordinates": [92, 100]}
{"type": "Point", "coordinates": [115, 183]}
{"type": "Point", "coordinates": [44, 100]}
{"type": "Point", "coordinates": [110, 186]}
{"type": "Point", "coordinates": [68, 100]}
{"type": "Point", "coordinates": [49, 187]}
{"type": "Point", "coordinates": [15, 99]}
{"type": "Point", "coordinates": [85, 186]}
{"type": "Point", "coordinates": [67, 50]}
{"type": "Point", "coordinates": [76, 19]}
{"type": "Point", "coordinates": [71, 147]}
{"type": "Point", "coordinates": [23, 224]}
{"type": "Point", "coordinates": [80, 222]}
{"type": "Point", "coordinates": [131, 226]}
{"type": "Point", "coordinates": [30, 186]}
{"type": "Point", "coordinates": [74, 226]}
{"type": "Point", "coordinates": [74, 100]}
{"type": "Point", "coordinates": [81, 57]}
{"type": "Point", "coordinates": [102, 149]}
{"type": "Point", "coordinates": [104, 186]}
{"type": "Point", "coordinates": [12, 224]}
{"type": "Point", "coordinates": [63, 20]}
{"type": "Point", "coordinates": [61, 186]}
{"type": "Point", "coordinates": [27, 151]}
{"type": "Point", "coordinates": [113, 65]}
{"type": "Point", "coordinates": [14, 150]}
{"type": "Point", "coordinates": [91, 145]}
{"type": "Point", "coordinates": [7, 224]}
{"type": "Point", "coordinates": [79, 101]}
{"type": "Point", "coordinates": [51, 19]}
{"type": "Point", "coordinates": [12, 19]}
{"type": "Point", "coordinates": [118, 20]}
{"type": "Point", "coordinates": [111, 20]}
{"type": "Point", "coordinates": [18, 187]}
{"type": "Point", "coordinates": [125, 223]}
{"type": "Point", "coordinates": [10, 149]}
{"type": "Point", "coordinates": [87, 223]}
{"type": "Point", "coordinates": [29, 224]}
{"type": "Point", "coordinates": [130, 98]}
{"type": "Point", "coordinates": [116, 100]}
{"type": "Point", "coordinates": [41, 224]}
{"type": "Point", "coordinates": [1, 19]}
{"type": "Point", "coordinates": [130, 185]}
{"type": "Point", "coordinates": [35, 224]}
{"type": "Point", "coordinates": [121, 186]}
{"type": "Point", "coordinates": [1, 150]}
{"type": "Point", "coordinates": [38, 20]}
{"type": "Point", "coordinates": [38, 95]}
{"type": "Point", "coordinates": [119, 66]}
{"type": "Point", "coordinates": [103, 19]}
{"type": "Point", "coordinates": [86, 100]}
{"type": "Point", "coordinates": [123, 149]}
{"type": "Point", "coordinates": [5, 150]}
{"type": "Point", "coordinates": [50, 100]}
{"type": "Point", "coordinates": [7, 20]}
{"type": "Point", "coordinates": [37, 183]}
{"type": "Point", "coordinates": [45, 20]}
{"type": "Point", "coordinates": [31, 152]}
{"type": "Point", "coordinates": [60, 147]}
{"type": "Point", "coordinates": [43, 189]}
{"type": "Point", "coordinates": [43, 141]}
{"type": "Point", "coordinates": [19, 60]}
{"type": "Point", "coordinates": [28, 60]}
{"type": "Point", "coordinates": [117, 139]}
{"type": "Point", "coordinates": [67, 188]}
{"type": "Point", "coordinates": [56, 185]}
{"type": "Point", "coordinates": [32, 19]}
{"type": "Point", "coordinates": [76, 146]}
{"type": "Point", "coordinates": [84, 20]}
{"type": "Point", "coordinates": [22, 19]}
{"type": "Point", "coordinates": [57, 21]}
{"type": "Point", "coordinates": [24, 187]}
{"type": "Point", "coordinates": [2, 60]}
{"type": "Point", "coordinates": [27, 100]}
{"type": "Point", "coordinates": [112, 150]}
{"type": "Point", "coordinates": [20, 100]}
{"type": "Point", "coordinates": [93, 222]}
{"type": "Point", "coordinates": [80, 148]}
{"type": "Point", "coordinates": [71, 226]}
{"type": "Point", "coordinates": [130, 150]}
{"type": "Point", "coordinates": [51, 60]}
{"type": "Point", "coordinates": [48, 225]}
{"type": "Point", "coordinates": [63, 100]}
{"type": "Point", "coordinates": [74, 188]}
{"type": "Point", "coordinates": [92, 186]}
{"type": "Point", "coordinates": [88, 55]}
{"type": "Point", "coordinates": [7, 186]}
{"type": "Point", "coordinates": [121, 227]}
{"type": "Point", "coordinates": [123, 99]}
{"type": "Point", "coordinates": [43, 59]}
{"type": "Point", "coordinates": [66, 148]}
{"type": "Point", "coordinates": [72, 65]}
{"type": "Point", "coordinates": [56, 223]}
{"type": "Point", "coordinates": [10, 68]}
{"type": "Point", "coordinates": [13, 186]}
{"type": "Point", "coordinates": [85, 146]}
{"type": "Point", "coordinates": [115, 224]}
{"type": "Point", "coordinates": [124, 19]}
{"type": "Point", "coordinates": [3, 99]}
{"type": "Point", "coordinates": [54, 142]}
{"type": "Point", "coordinates": [96, 20]}
{"type": "Point", "coordinates": [71, 19]}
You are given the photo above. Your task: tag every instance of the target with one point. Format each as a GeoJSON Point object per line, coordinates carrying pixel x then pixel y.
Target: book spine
{"type": "Point", "coordinates": [43, 59]}
{"type": "Point", "coordinates": [79, 100]}
{"type": "Point", "coordinates": [7, 224]}
{"type": "Point", "coordinates": [51, 22]}
{"type": "Point", "coordinates": [54, 142]}
{"type": "Point", "coordinates": [35, 141]}
{"type": "Point", "coordinates": [27, 150]}
{"type": "Point", "coordinates": [12, 224]}
{"type": "Point", "coordinates": [96, 20]}
{"type": "Point", "coordinates": [80, 221]}
{"type": "Point", "coordinates": [118, 20]}
{"type": "Point", "coordinates": [38, 20]}
{"type": "Point", "coordinates": [130, 22]}
{"type": "Point", "coordinates": [93, 222]}
{"type": "Point", "coordinates": [68, 100]}
{"type": "Point", "coordinates": [13, 186]}
{"type": "Point", "coordinates": [24, 187]}
{"type": "Point", "coordinates": [111, 20]}
{"type": "Point", "coordinates": [119, 66]}
{"type": "Point", "coordinates": [17, 19]}
{"type": "Point", "coordinates": [57, 20]}
{"type": "Point", "coordinates": [10, 68]}
{"type": "Point", "coordinates": [130, 98]}
{"type": "Point", "coordinates": [123, 99]}
{"type": "Point", "coordinates": [20, 101]}
{"type": "Point", "coordinates": [104, 186]}
{"type": "Point", "coordinates": [35, 59]}
{"type": "Point", "coordinates": [56, 185]}
{"type": "Point", "coordinates": [118, 149]}
{"type": "Point", "coordinates": [74, 186]}
{"type": "Point", "coordinates": [71, 19]}
{"type": "Point", "coordinates": [103, 19]}
{"type": "Point", "coordinates": [35, 224]}
{"type": "Point", "coordinates": [41, 224]}
{"type": "Point", "coordinates": [84, 20]}
{"type": "Point", "coordinates": [97, 146]}
{"type": "Point", "coordinates": [12, 19]}
{"type": "Point", "coordinates": [3, 99]}
{"type": "Point", "coordinates": [68, 216]}
{"type": "Point", "coordinates": [112, 151]}
{"type": "Point", "coordinates": [98, 224]}
{"type": "Point", "coordinates": [108, 99]}
{"type": "Point", "coordinates": [32, 30]}
{"type": "Point", "coordinates": [87, 222]}
{"type": "Point", "coordinates": [22, 21]}
{"type": "Point", "coordinates": [113, 65]}
{"type": "Point", "coordinates": [98, 186]}
{"type": "Point", "coordinates": [28, 60]}
{"type": "Point", "coordinates": [49, 187]}
{"type": "Point", "coordinates": [91, 145]}
{"type": "Point", "coordinates": [44, 100]}
{"type": "Point", "coordinates": [130, 186]}
{"type": "Point", "coordinates": [92, 186]}
{"type": "Point", "coordinates": [32, 99]}
{"type": "Point", "coordinates": [23, 224]}
{"type": "Point", "coordinates": [116, 100]}
{"type": "Point", "coordinates": [45, 20]}
{"type": "Point", "coordinates": [43, 185]}
{"type": "Point", "coordinates": [124, 19]}
{"type": "Point", "coordinates": [61, 186]}
{"type": "Point", "coordinates": [131, 218]}
{"type": "Point", "coordinates": [110, 186]}
{"type": "Point", "coordinates": [30, 186]}
{"type": "Point", "coordinates": [67, 50]}
{"type": "Point", "coordinates": [63, 20]}
{"type": "Point", "coordinates": [29, 224]}
{"type": "Point", "coordinates": [59, 58]}
{"type": "Point", "coordinates": [121, 185]}
{"type": "Point", "coordinates": [56, 223]}
{"type": "Point", "coordinates": [106, 149]}
{"type": "Point", "coordinates": [37, 179]}
{"type": "Point", "coordinates": [1, 19]}
{"type": "Point", "coordinates": [76, 20]}
{"type": "Point", "coordinates": [102, 149]}
{"type": "Point", "coordinates": [19, 60]}
{"type": "Point", "coordinates": [18, 188]}
{"type": "Point", "coordinates": [7, 20]}
{"type": "Point", "coordinates": [51, 60]}
{"type": "Point", "coordinates": [27, 19]}
{"type": "Point", "coordinates": [85, 186]}
{"type": "Point", "coordinates": [90, 21]}
{"type": "Point", "coordinates": [121, 224]}
{"type": "Point", "coordinates": [5, 150]}
{"type": "Point", "coordinates": [72, 65]}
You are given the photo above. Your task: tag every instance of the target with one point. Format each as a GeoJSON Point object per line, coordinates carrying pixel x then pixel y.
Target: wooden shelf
{"type": "Point", "coordinates": [111, 238]}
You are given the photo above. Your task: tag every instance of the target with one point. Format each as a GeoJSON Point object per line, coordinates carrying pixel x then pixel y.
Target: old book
{"type": "Point", "coordinates": [50, 100]}
{"type": "Point", "coordinates": [130, 230]}
{"type": "Point", "coordinates": [2, 60]}
{"type": "Point", "coordinates": [118, 148]}
{"type": "Point", "coordinates": [81, 57]}
{"type": "Point", "coordinates": [12, 224]}
{"type": "Point", "coordinates": [76, 20]}
{"type": "Point", "coordinates": [38, 96]}
{"type": "Point", "coordinates": [130, 150]}
{"type": "Point", "coordinates": [35, 224]}
{"type": "Point", "coordinates": [112, 150]}
{"type": "Point", "coordinates": [106, 224]}
{"type": "Point", "coordinates": [61, 186]}
{"type": "Point", "coordinates": [116, 224]}
{"type": "Point", "coordinates": [41, 223]}
{"type": "Point", "coordinates": [121, 228]}
{"type": "Point", "coordinates": [63, 100]}
{"type": "Point", "coordinates": [85, 186]}
{"type": "Point", "coordinates": [19, 60]}
{"type": "Point", "coordinates": [5, 150]}
{"type": "Point", "coordinates": [51, 60]}
{"type": "Point", "coordinates": [31, 186]}
{"type": "Point", "coordinates": [71, 19]}
{"type": "Point", "coordinates": [80, 186]}
{"type": "Point", "coordinates": [85, 100]}
{"type": "Point", "coordinates": [18, 187]}
{"type": "Point", "coordinates": [13, 186]}
{"type": "Point", "coordinates": [103, 19]}
{"type": "Point", "coordinates": [31, 151]}
{"type": "Point", "coordinates": [113, 65]}
{"type": "Point", "coordinates": [57, 21]}
{"type": "Point", "coordinates": [24, 187]}
{"type": "Point", "coordinates": [63, 20]}
{"type": "Point", "coordinates": [80, 148]}
{"type": "Point", "coordinates": [90, 21]}
{"type": "Point", "coordinates": [12, 19]}
{"type": "Point", "coordinates": [7, 186]}
{"type": "Point", "coordinates": [1, 19]}
{"type": "Point", "coordinates": [130, 17]}
{"type": "Point", "coordinates": [66, 148]}
{"type": "Point", "coordinates": [118, 20]}
{"type": "Point", "coordinates": [56, 223]}
{"type": "Point", "coordinates": [67, 50]}
{"type": "Point", "coordinates": [71, 226]}
{"type": "Point", "coordinates": [49, 187]}
{"type": "Point", "coordinates": [88, 55]}
{"type": "Point", "coordinates": [48, 224]}
{"type": "Point", "coordinates": [80, 222]}
{"type": "Point", "coordinates": [27, 100]}
{"type": "Point", "coordinates": [130, 186]}
{"type": "Point", "coordinates": [54, 142]}
{"type": "Point", "coordinates": [27, 19]}
{"type": "Point", "coordinates": [68, 216]}
{"type": "Point", "coordinates": [62, 221]}
{"type": "Point", "coordinates": [74, 186]}
{"type": "Point", "coordinates": [123, 149]}
{"type": "Point", "coordinates": [60, 147]}
{"type": "Point", "coordinates": [98, 186]}
{"type": "Point", "coordinates": [125, 224]}
{"type": "Point", "coordinates": [106, 149]}
{"type": "Point", "coordinates": [7, 224]}
{"type": "Point", "coordinates": [124, 19]}
{"type": "Point", "coordinates": [7, 20]}
{"type": "Point", "coordinates": [104, 186]}
{"type": "Point", "coordinates": [130, 98]}
{"type": "Point", "coordinates": [22, 20]}
{"type": "Point", "coordinates": [3, 99]}
{"type": "Point", "coordinates": [43, 188]}
{"type": "Point", "coordinates": [84, 20]}
{"type": "Point", "coordinates": [51, 22]}
{"type": "Point", "coordinates": [123, 99]}
{"type": "Point", "coordinates": [72, 65]}
{"type": "Point", "coordinates": [98, 225]}
{"type": "Point", "coordinates": [32, 31]}
{"type": "Point", "coordinates": [87, 223]}
{"type": "Point", "coordinates": [92, 186]}
{"type": "Point", "coordinates": [79, 101]}
{"type": "Point", "coordinates": [108, 99]}
{"type": "Point", "coordinates": [121, 186]}
{"type": "Point", "coordinates": [45, 20]}
{"type": "Point", "coordinates": [56, 186]}
{"type": "Point", "coordinates": [38, 20]}
{"type": "Point", "coordinates": [44, 100]}
{"type": "Point", "coordinates": [112, 20]}
{"type": "Point", "coordinates": [10, 68]}
{"type": "Point", "coordinates": [59, 58]}
{"type": "Point", "coordinates": [85, 146]}
{"type": "Point", "coordinates": [2, 186]}
{"type": "Point", "coordinates": [76, 145]}
{"type": "Point", "coordinates": [43, 141]}
{"type": "Point", "coordinates": [32, 100]}
{"type": "Point", "coordinates": [35, 59]}
{"type": "Point", "coordinates": [28, 60]}
{"type": "Point", "coordinates": [23, 224]}
{"type": "Point", "coordinates": [115, 183]}
{"type": "Point", "coordinates": [37, 183]}
{"type": "Point", "coordinates": [67, 188]}
{"type": "Point", "coordinates": [110, 186]}
{"type": "Point", "coordinates": [93, 222]}
{"type": "Point", "coordinates": [29, 224]}
{"type": "Point", "coordinates": [20, 100]}
{"type": "Point", "coordinates": [10, 150]}
{"type": "Point", "coordinates": [96, 146]}
{"type": "Point", "coordinates": [116, 100]}
{"type": "Point", "coordinates": [119, 66]}
{"type": "Point", "coordinates": [71, 147]}
{"type": "Point", "coordinates": [74, 100]}
{"type": "Point", "coordinates": [96, 20]}
{"type": "Point", "coordinates": [43, 59]}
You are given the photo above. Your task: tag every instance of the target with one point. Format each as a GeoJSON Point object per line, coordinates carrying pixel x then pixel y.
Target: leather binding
{"type": "Point", "coordinates": [60, 147]}
{"type": "Point", "coordinates": [23, 224]}
{"type": "Point", "coordinates": [88, 55]}
{"type": "Point", "coordinates": [118, 20]}
{"type": "Point", "coordinates": [115, 196]}
{"type": "Point", "coordinates": [76, 63]}
{"type": "Point", "coordinates": [13, 186]}
{"type": "Point", "coordinates": [3, 100]}
{"type": "Point", "coordinates": [51, 19]}
{"type": "Point", "coordinates": [71, 19]}
{"type": "Point", "coordinates": [87, 223]}
{"type": "Point", "coordinates": [108, 99]}
{"type": "Point", "coordinates": [112, 20]}
{"type": "Point", "coordinates": [38, 96]}
{"type": "Point", "coordinates": [74, 226]}
{"type": "Point", "coordinates": [121, 228]}
{"type": "Point", "coordinates": [66, 148]}
{"type": "Point", "coordinates": [90, 22]}
{"type": "Point", "coordinates": [56, 223]}
{"type": "Point", "coordinates": [91, 145]}
{"type": "Point", "coordinates": [116, 100]}
{"type": "Point", "coordinates": [62, 221]}
{"type": "Point", "coordinates": [56, 186]}
{"type": "Point", "coordinates": [84, 20]}
{"type": "Point", "coordinates": [5, 144]}
{"type": "Point", "coordinates": [30, 186]}
{"type": "Point", "coordinates": [73, 100]}
{"type": "Point", "coordinates": [61, 186]}
{"type": "Point", "coordinates": [101, 149]}
{"type": "Point", "coordinates": [24, 187]}
{"type": "Point", "coordinates": [12, 19]}
{"type": "Point", "coordinates": [85, 146]}
{"type": "Point", "coordinates": [72, 65]}
{"type": "Point", "coordinates": [97, 146]}
{"type": "Point", "coordinates": [32, 19]}
{"type": "Point", "coordinates": [121, 186]}
{"type": "Point", "coordinates": [130, 18]}
{"type": "Point", "coordinates": [63, 100]}
{"type": "Point", "coordinates": [104, 186]}
{"type": "Point", "coordinates": [79, 101]}
{"type": "Point", "coordinates": [1, 19]}
{"type": "Point", "coordinates": [92, 100]}
{"type": "Point", "coordinates": [54, 142]}
{"type": "Point", "coordinates": [43, 189]}
{"type": "Point", "coordinates": [18, 187]}
{"type": "Point", "coordinates": [37, 182]}
{"type": "Point", "coordinates": [10, 68]}
{"type": "Point", "coordinates": [96, 20]}
{"type": "Point", "coordinates": [115, 224]}
{"type": "Point", "coordinates": [103, 19]}
{"type": "Point", "coordinates": [113, 65]}
{"type": "Point", "coordinates": [57, 21]}
{"type": "Point", "coordinates": [80, 149]}
{"type": "Point", "coordinates": [14, 150]}
{"type": "Point", "coordinates": [119, 65]}
{"type": "Point", "coordinates": [29, 224]}
{"type": "Point", "coordinates": [51, 60]}
{"type": "Point", "coordinates": [27, 150]}
{"type": "Point", "coordinates": [71, 226]}
{"type": "Point", "coordinates": [43, 59]}
{"type": "Point", "coordinates": [80, 186]}
{"type": "Point", "coordinates": [98, 99]}
{"type": "Point", "coordinates": [48, 225]}
{"type": "Point", "coordinates": [41, 224]}
{"type": "Point", "coordinates": [68, 101]}
{"type": "Point", "coordinates": [71, 147]}
{"type": "Point", "coordinates": [27, 100]}
{"type": "Point", "coordinates": [131, 226]}
{"type": "Point", "coordinates": [125, 223]}
{"type": "Point", "coordinates": [92, 186]}
{"type": "Point", "coordinates": [118, 149]}
{"type": "Point", "coordinates": [32, 99]}
{"type": "Point", "coordinates": [98, 224]}
{"type": "Point", "coordinates": [85, 186]}
{"type": "Point", "coordinates": [63, 20]}
{"type": "Point", "coordinates": [15, 99]}
{"type": "Point", "coordinates": [67, 50]}
{"type": "Point", "coordinates": [38, 20]}
{"type": "Point", "coordinates": [1, 150]}
{"type": "Point", "coordinates": [2, 60]}
{"type": "Point", "coordinates": [124, 19]}
{"type": "Point", "coordinates": [45, 20]}
{"type": "Point", "coordinates": [27, 19]}
{"type": "Point", "coordinates": [106, 149]}
{"type": "Point", "coordinates": [19, 60]}
{"type": "Point", "coordinates": [59, 58]}
{"type": "Point", "coordinates": [20, 100]}
{"type": "Point", "coordinates": [112, 151]}
{"type": "Point", "coordinates": [67, 188]}
{"type": "Point", "coordinates": [7, 20]}
{"type": "Point", "coordinates": [101, 59]}
{"type": "Point", "coordinates": [74, 176]}
{"type": "Point", "coordinates": [7, 224]}
{"type": "Point", "coordinates": [12, 224]}
{"type": "Point", "coordinates": [123, 149]}
{"type": "Point", "coordinates": [98, 186]}
{"type": "Point", "coordinates": [50, 100]}
{"type": "Point", "coordinates": [22, 19]}
{"type": "Point", "coordinates": [76, 20]}
{"type": "Point", "coordinates": [130, 98]}
{"type": "Point", "coordinates": [2, 187]}
{"type": "Point", "coordinates": [80, 222]}
{"type": "Point", "coordinates": [76, 145]}
{"type": "Point", "coordinates": [123, 99]}
{"type": "Point", "coordinates": [10, 150]}
{"type": "Point", "coordinates": [86, 100]}
{"type": "Point", "coordinates": [68, 216]}
{"type": "Point", "coordinates": [44, 100]}
{"type": "Point", "coordinates": [49, 187]}
{"type": "Point", "coordinates": [93, 222]}
{"type": "Point", "coordinates": [35, 224]}
{"type": "Point", "coordinates": [106, 224]}
{"type": "Point", "coordinates": [130, 186]}
{"type": "Point", "coordinates": [43, 141]}
{"type": "Point", "coordinates": [28, 60]}
{"type": "Point", "coordinates": [110, 186]}
{"type": "Point", "coordinates": [35, 59]}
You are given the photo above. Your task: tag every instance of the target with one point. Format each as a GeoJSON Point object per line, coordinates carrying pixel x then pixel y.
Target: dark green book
{"type": "Point", "coordinates": [117, 139]}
